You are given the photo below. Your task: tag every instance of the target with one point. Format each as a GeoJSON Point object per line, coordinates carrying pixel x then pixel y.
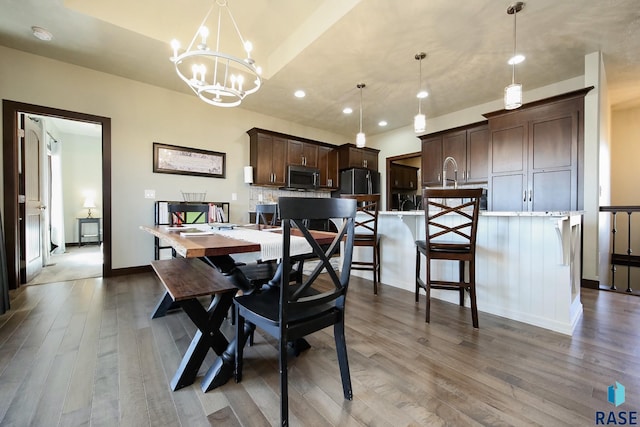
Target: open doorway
{"type": "Point", "coordinates": [71, 191]}
{"type": "Point", "coordinates": [404, 183]}
{"type": "Point", "coordinates": [14, 170]}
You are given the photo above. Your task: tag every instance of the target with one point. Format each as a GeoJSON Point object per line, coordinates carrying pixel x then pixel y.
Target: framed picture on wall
{"type": "Point", "coordinates": [188, 161]}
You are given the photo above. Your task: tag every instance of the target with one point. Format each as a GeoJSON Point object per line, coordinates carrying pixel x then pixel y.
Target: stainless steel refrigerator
{"type": "Point", "coordinates": [359, 181]}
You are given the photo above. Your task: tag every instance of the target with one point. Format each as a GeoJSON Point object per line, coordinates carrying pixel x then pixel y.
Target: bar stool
{"type": "Point", "coordinates": [367, 233]}
{"type": "Point", "coordinates": [451, 224]}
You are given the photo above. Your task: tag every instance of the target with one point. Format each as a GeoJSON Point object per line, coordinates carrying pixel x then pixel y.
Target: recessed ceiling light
{"type": "Point", "coordinates": [422, 94]}
{"type": "Point", "coordinates": [347, 110]}
{"type": "Point", "coordinates": [42, 34]}
{"type": "Point", "coordinates": [516, 59]}
{"type": "Point", "coordinates": [382, 123]}
{"type": "Point", "coordinates": [299, 94]}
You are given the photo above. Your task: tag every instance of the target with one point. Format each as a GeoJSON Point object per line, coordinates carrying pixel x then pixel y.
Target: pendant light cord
{"type": "Point", "coordinates": [513, 65]}
{"type": "Point", "coordinates": [361, 109]}
{"type": "Point", "coordinates": [420, 87]}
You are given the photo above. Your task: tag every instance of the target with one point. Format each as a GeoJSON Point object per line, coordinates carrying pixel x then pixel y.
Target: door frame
{"type": "Point", "coordinates": [391, 160]}
{"type": "Point", "coordinates": [11, 142]}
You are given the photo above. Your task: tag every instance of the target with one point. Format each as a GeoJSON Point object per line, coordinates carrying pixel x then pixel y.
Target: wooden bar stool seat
{"type": "Point", "coordinates": [451, 224]}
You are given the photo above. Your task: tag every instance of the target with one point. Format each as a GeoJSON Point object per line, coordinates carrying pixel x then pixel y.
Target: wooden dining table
{"type": "Point", "coordinates": [215, 250]}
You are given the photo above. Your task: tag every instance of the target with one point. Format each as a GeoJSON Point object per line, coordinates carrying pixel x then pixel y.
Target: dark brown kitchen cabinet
{"type": "Point", "coordinates": [328, 165]}
{"type": "Point", "coordinates": [268, 154]}
{"type": "Point", "coordinates": [467, 145]}
{"type": "Point", "coordinates": [350, 156]}
{"type": "Point", "coordinates": [454, 145]}
{"type": "Point", "coordinates": [271, 152]}
{"type": "Point", "coordinates": [535, 153]}
{"type": "Point", "coordinates": [302, 153]}
{"type": "Point", "coordinates": [432, 161]}
{"type": "Point", "coordinates": [404, 177]}
{"type": "Point", "coordinates": [477, 154]}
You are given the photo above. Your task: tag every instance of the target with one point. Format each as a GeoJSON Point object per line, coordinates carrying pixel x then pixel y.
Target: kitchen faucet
{"type": "Point", "coordinates": [455, 172]}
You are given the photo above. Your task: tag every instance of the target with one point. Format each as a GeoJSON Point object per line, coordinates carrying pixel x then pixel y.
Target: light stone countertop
{"type": "Point", "coordinates": [493, 213]}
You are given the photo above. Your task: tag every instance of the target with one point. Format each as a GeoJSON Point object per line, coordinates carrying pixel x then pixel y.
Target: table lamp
{"type": "Point", "coordinates": [89, 204]}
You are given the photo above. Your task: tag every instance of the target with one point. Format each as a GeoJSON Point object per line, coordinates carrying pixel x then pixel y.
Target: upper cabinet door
{"type": "Point", "coordinates": [432, 161]}
{"type": "Point", "coordinates": [268, 158]}
{"type": "Point", "coordinates": [478, 154]}
{"type": "Point", "coordinates": [454, 145]}
{"type": "Point", "coordinates": [295, 154]}
{"type": "Point", "coordinates": [302, 153]}
{"type": "Point", "coordinates": [353, 157]}
{"type": "Point", "coordinates": [328, 165]}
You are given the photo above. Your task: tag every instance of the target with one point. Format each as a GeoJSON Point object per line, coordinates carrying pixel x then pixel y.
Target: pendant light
{"type": "Point", "coordinates": [360, 138]}
{"type": "Point", "coordinates": [513, 92]}
{"type": "Point", "coordinates": [420, 120]}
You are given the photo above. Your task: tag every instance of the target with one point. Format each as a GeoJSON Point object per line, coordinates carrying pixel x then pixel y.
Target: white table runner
{"type": "Point", "coordinates": [270, 242]}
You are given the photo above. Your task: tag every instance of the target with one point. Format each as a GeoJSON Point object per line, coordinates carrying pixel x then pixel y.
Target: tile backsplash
{"type": "Point", "coordinates": [260, 195]}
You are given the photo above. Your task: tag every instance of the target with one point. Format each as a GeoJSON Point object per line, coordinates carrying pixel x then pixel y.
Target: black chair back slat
{"type": "Point", "coordinates": [178, 213]}
{"type": "Point", "coordinates": [262, 212]}
{"type": "Point", "coordinates": [291, 311]}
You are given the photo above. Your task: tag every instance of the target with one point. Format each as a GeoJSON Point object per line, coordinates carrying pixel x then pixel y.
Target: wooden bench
{"type": "Point", "coordinates": [187, 279]}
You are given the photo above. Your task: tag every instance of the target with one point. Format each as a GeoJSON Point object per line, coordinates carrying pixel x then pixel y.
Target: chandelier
{"type": "Point", "coordinates": [420, 120]}
{"type": "Point", "coordinates": [360, 138]}
{"type": "Point", "coordinates": [513, 92]}
{"type": "Point", "coordinates": [217, 78]}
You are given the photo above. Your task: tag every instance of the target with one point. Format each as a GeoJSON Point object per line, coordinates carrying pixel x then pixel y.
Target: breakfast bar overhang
{"type": "Point", "coordinates": [527, 264]}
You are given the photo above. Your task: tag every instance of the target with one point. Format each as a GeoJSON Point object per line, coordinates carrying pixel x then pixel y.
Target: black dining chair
{"type": "Point", "coordinates": [451, 225]}
{"type": "Point", "coordinates": [186, 213]}
{"type": "Point", "coordinates": [267, 214]}
{"type": "Point", "coordinates": [290, 312]}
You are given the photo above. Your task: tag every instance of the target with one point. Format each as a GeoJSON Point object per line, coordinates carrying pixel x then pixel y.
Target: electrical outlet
{"type": "Point", "coordinates": [234, 196]}
{"type": "Point", "coordinates": [149, 194]}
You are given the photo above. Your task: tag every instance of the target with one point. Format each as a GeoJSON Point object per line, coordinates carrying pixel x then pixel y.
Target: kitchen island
{"type": "Point", "coordinates": [527, 264]}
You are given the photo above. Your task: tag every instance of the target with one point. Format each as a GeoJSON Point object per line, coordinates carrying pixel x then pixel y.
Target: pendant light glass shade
{"type": "Point", "coordinates": [513, 92]}
{"type": "Point", "coordinates": [420, 123]}
{"type": "Point", "coordinates": [513, 96]}
{"type": "Point", "coordinates": [361, 140]}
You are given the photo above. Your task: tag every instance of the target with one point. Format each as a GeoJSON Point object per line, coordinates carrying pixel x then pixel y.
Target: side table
{"type": "Point", "coordinates": [81, 222]}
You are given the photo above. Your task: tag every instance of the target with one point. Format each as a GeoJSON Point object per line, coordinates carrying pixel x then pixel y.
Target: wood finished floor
{"type": "Point", "coordinates": [86, 352]}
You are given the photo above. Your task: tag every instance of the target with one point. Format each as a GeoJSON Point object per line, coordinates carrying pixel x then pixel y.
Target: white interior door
{"type": "Point", "coordinates": [34, 207]}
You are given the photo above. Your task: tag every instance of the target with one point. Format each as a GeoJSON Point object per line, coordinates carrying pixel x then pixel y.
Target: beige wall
{"type": "Point", "coordinates": [141, 114]}
{"type": "Point", "coordinates": [625, 154]}
{"type": "Point", "coordinates": [81, 177]}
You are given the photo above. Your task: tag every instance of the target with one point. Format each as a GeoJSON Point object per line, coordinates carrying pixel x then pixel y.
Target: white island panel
{"type": "Point", "coordinates": [527, 264]}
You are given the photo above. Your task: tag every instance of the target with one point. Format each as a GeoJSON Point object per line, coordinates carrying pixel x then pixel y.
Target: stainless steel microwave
{"type": "Point", "coordinates": [302, 177]}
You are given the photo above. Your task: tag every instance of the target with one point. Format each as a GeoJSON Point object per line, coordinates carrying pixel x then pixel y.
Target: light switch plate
{"type": "Point", "coordinates": [149, 194]}
{"type": "Point", "coordinates": [234, 196]}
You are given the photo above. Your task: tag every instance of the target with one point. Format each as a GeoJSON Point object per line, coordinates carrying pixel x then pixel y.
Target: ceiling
{"type": "Point", "coordinates": [327, 47]}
